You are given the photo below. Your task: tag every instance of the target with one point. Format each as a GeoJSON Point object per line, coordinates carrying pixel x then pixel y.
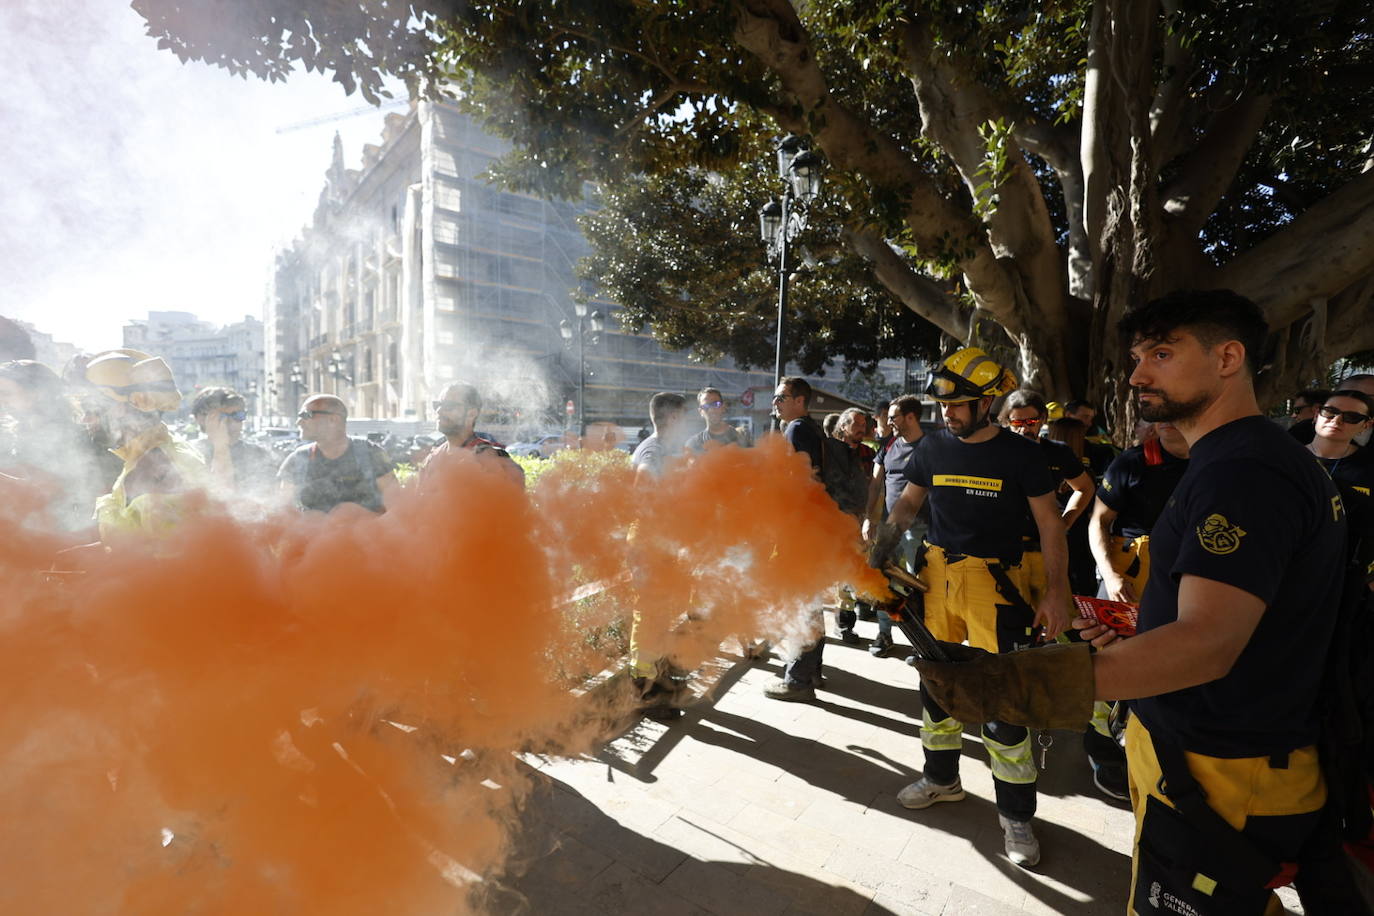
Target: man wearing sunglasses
{"type": "Point", "coordinates": [335, 468]}
{"type": "Point", "coordinates": [711, 405]}
{"type": "Point", "coordinates": [244, 469]}
{"type": "Point", "coordinates": [456, 414]}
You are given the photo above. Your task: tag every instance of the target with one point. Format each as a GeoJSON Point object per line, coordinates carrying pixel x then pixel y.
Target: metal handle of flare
{"type": "Point", "coordinates": [911, 625]}
{"type": "Point", "coordinates": [904, 578]}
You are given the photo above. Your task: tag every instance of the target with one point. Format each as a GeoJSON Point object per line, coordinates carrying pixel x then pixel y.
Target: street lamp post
{"type": "Point", "coordinates": [338, 368]}
{"type": "Point", "coordinates": [297, 379]}
{"type": "Point", "coordinates": [781, 221]}
{"type": "Point", "coordinates": [595, 323]}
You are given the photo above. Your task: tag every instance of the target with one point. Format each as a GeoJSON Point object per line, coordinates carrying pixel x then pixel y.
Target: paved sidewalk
{"type": "Point", "coordinates": [754, 806]}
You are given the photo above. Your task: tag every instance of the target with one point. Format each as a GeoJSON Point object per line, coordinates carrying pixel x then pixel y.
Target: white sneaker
{"type": "Point", "coordinates": [1019, 840]}
{"type": "Point", "coordinates": [924, 792]}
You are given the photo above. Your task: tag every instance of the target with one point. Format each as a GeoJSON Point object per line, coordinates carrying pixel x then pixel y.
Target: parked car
{"type": "Point", "coordinates": [543, 447]}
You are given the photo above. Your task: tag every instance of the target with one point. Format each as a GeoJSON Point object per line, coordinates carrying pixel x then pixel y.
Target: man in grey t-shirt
{"type": "Point", "coordinates": [335, 468]}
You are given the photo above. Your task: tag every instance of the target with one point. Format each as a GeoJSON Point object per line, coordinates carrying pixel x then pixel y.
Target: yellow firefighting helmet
{"type": "Point", "coordinates": [967, 375]}
{"type": "Point", "coordinates": [1055, 409]}
{"type": "Point", "coordinates": [143, 382]}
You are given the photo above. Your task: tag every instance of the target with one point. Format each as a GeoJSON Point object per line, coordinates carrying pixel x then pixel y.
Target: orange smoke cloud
{"type": "Point", "coordinates": [318, 714]}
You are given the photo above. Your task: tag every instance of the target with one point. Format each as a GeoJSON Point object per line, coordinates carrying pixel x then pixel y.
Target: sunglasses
{"type": "Point", "coordinates": [447, 405]}
{"type": "Point", "coordinates": [239, 415]}
{"type": "Point", "coordinates": [779, 398]}
{"type": "Point", "coordinates": [707, 405]}
{"type": "Point", "coordinates": [1022, 424]}
{"type": "Point", "coordinates": [1347, 416]}
{"type": "Point", "coordinates": [307, 414]}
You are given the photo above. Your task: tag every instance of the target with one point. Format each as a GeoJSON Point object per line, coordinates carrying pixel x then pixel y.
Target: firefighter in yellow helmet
{"type": "Point", "coordinates": [149, 494]}
{"type": "Point", "coordinates": [979, 479]}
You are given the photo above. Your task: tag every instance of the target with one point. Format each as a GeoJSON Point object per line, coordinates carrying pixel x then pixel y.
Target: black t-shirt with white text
{"type": "Point", "coordinates": [1137, 491]}
{"type": "Point", "coordinates": [977, 491]}
{"type": "Point", "coordinates": [1253, 511]}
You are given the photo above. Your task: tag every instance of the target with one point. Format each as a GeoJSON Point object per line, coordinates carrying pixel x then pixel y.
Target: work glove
{"type": "Point", "coordinates": [883, 545]}
{"type": "Point", "coordinates": [1047, 687]}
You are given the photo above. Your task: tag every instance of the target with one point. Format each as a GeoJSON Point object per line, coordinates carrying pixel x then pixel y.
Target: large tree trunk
{"type": "Point", "coordinates": [1121, 206]}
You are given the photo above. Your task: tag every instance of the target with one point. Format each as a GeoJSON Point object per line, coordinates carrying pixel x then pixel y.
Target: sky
{"type": "Point", "coordinates": [132, 182]}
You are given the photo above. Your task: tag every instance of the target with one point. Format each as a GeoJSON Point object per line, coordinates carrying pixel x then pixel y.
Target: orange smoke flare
{"type": "Point", "coordinates": [319, 713]}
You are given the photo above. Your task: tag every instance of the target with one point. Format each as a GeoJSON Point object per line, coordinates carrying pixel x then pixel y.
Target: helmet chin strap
{"type": "Point", "coordinates": [979, 421]}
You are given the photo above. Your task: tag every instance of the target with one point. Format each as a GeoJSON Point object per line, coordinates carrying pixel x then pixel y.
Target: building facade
{"type": "Point", "coordinates": [203, 355]}
{"type": "Point", "coordinates": [416, 272]}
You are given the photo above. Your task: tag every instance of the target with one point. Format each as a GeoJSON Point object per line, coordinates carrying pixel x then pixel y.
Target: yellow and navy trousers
{"type": "Point", "coordinates": [979, 600]}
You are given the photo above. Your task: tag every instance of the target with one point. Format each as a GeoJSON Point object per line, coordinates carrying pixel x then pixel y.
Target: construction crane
{"type": "Point", "coordinates": [339, 116]}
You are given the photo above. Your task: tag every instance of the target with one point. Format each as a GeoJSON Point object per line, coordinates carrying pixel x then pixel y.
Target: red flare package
{"type": "Point", "coordinates": [1118, 615]}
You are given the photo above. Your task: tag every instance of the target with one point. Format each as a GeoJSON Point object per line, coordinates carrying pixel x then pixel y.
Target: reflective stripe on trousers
{"type": "Point", "coordinates": [1011, 762]}
{"type": "Point", "coordinates": [944, 735]}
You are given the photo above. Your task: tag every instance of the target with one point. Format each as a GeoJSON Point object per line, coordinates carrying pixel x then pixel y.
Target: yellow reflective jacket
{"type": "Point", "coordinates": [156, 512]}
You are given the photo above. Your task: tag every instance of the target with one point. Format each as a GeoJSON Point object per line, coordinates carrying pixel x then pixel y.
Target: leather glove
{"type": "Point", "coordinates": [1047, 687]}
{"type": "Point", "coordinates": [883, 545]}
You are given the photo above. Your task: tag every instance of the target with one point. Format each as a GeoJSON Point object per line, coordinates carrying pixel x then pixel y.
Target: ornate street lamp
{"type": "Point", "coordinates": [780, 221]}
{"type": "Point", "coordinates": [339, 368]}
{"type": "Point", "coordinates": [594, 323]}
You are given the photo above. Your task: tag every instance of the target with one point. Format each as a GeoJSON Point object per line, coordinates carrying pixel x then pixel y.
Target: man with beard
{"type": "Point", "coordinates": [889, 480]}
{"type": "Point", "coordinates": [457, 411]}
{"type": "Point", "coordinates": [980, 480]}
{"type": "Point", "coordinates": [1236, 624]}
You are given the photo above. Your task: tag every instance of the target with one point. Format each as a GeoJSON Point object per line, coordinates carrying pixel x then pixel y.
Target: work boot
{"type": "Point", "coordinates": [880, 646]}
{"type": "Point", "coordinates": [1110, 779]}
{"type": "Point", "coordinates": [1019, 841]}
{"type": "Point", "coordinates": [865, 611]}
{"type": "Point", "coordinates": [782, 690]}
{"type": "Point", "coordinates": [658, 700]}
{"type": "Point", "coordinates": [925, 792]}
{"type": "Point", "coordinates": [844, 624]}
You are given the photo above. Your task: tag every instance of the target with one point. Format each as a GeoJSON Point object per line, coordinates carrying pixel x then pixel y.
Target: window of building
{"type": "Point", "coordinates": [393, 361]}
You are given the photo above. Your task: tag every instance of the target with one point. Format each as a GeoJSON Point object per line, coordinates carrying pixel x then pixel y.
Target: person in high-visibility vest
{"type": "Point", "coordinates": [150, 494]}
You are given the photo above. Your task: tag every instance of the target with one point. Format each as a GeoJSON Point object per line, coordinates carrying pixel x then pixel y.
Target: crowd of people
{"type": "Point", "coordinates": [1232, 541]}
{"type": "Point", "coordinates": [1229, 538]}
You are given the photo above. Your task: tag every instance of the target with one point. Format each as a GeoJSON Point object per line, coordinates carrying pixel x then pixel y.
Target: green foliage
{"type": "Point", "coordinates": [583, 466]}
{"type": "Point", "coordinates": [682, 253]}
{"type": "Point", "coordinates": [405, 472]}
{"type": "Point", "coordinates": [641, 95]}
{"type": "Point", "coordinates": [533, 468]}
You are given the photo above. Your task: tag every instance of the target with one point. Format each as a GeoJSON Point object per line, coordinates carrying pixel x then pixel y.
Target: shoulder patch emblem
{"type": "Point", "coordinates": [1218, 536]}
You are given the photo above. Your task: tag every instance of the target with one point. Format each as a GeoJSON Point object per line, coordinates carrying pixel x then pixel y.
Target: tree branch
{"type": "Point", "coordinates": [1165, 112]}
{"type": "Point", "coordinates": [924, 296]}
{"type": "Point", "coordinates": [954, 106]}
{"type": "Point", "coordinates": [1207, 171]}
{"type": "Point", "coordinates": [771, 31]}
{"type": "Point", "coordinates": [1348, 325]}
{"type": "Point", "coordinates": [1320, 253]}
